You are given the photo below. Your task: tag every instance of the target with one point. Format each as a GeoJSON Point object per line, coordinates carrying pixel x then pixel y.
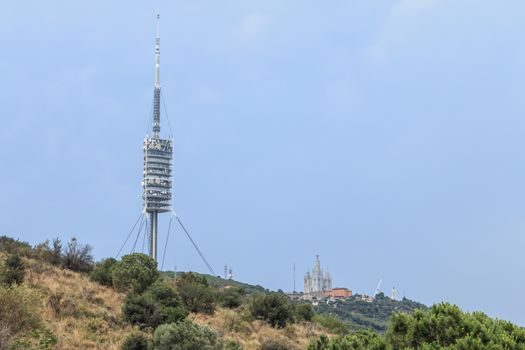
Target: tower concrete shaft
{"type": "Point", "coordinates": [153, 234]}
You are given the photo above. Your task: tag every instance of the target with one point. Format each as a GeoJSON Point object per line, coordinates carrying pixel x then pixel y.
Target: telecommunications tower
{"type": "Point", "coordinates": [158, 155]}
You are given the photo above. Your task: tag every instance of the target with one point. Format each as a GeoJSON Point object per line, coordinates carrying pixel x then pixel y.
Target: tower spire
{"type": "Point", "coordinates": [156, 92]}
{"type": "Point", "coordinates": [157, 53]}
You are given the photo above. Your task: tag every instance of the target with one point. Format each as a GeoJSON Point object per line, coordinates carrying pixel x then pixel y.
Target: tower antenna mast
{"type": "Point", "coordinates": [156, 94]}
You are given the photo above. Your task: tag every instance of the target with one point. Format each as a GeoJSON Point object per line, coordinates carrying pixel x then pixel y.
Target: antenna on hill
{"type": "Point", "coordinates": [294, 277]}
{"type": "Point", "coordinates": [157, 183]}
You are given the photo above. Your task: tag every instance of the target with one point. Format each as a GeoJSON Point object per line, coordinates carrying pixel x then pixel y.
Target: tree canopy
{"type": "Point", "coordinates": [442, 327]}
{"type": "Point", "coordinates": [134, 273]}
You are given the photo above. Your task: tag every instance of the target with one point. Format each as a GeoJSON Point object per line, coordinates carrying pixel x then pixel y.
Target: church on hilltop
{"type": "Point", "coordinates": [317, 281]}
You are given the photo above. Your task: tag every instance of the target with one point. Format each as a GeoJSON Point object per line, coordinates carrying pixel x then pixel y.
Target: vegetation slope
{"type": "Point", "coordinates": [55, 307]}
{"type": "Point", "coordinates": [54, 297]}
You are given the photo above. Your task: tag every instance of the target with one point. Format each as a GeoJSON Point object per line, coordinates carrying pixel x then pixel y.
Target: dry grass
{"type": "Point", "coordinates": [85, 315]}
{"type": "Point", "coordinates": [235, 325]}
{"type": "Point", "coordinates": [82, 314]}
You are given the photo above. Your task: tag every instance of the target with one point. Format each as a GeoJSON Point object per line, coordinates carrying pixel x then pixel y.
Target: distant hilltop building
{"type": "Point", "coordinates": [317, 281]}
{"type": "Point", "coordinates": [318, 285]}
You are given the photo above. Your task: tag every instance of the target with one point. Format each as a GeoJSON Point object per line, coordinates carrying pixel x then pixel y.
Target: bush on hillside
{"type": "Point", "coordinates": [62, 305]}
{"type": "Point", "coordinates": [41, 339]}
{"type": "Point", "coordinates": [134, 273]}
{"type": "Point", "coordinates": [231, 345]}
{"type": "Point", "coordinates": [185, 335]}
{"type": "Point", "coordinates": [274, 308]}
{"type": "Point", "coordinates": [19, 313]}
{"type": "Point", "coordinates": [191, 278]}
{"type": "Point", "coordinates": [197, 298]}
{"type": "Point", "coordinates": [135, 341]}
{"type": "Point", "coordinates": [164, 293]}
{"type": "Point", "coordinates": [277, 344]}
{"type": "Point", "coordinates": [13, 246]}
{"type": "Point", "coordinates": [361, 340]}
{"type": "Point", "coordinates": [103, 272]}
{"type": "Point", "coordinates": [332, 324]}
{"type": "Point", "coordinates": [141, 311]}
{"type": "Point", "coordinates": [159, 304]}
{"type": "Point", "coordinates": [232, 297]}
{"type": "Point", "coordinates": [77, 257]}
{"type": "Point", "coordinates": [304, 312]}
{"type": "Point", "coordinates": [195, 293]}
{"type": "Point", "coordinates": [51, 255]}
{"type": "Point", "coordinates": [13, 271]}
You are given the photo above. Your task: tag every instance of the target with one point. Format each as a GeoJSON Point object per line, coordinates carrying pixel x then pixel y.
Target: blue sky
{"type": "Point", "coordinates": [385, 136]}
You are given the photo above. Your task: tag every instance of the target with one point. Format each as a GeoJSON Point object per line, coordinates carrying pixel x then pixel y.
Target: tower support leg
{"type": "Point", "coordinates": [153, 235]}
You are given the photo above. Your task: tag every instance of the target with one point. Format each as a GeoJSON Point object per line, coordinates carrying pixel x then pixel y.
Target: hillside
{"type": "Point", "coordinates": [49, 300]}
{"type": "Point", "coordinates": [75, 313]}
{"type": "Point", "coordinates": [358, 312]}
{"type": "Point", "coordinates": [218, 282]}
{"type": "Point", "coordinates": [89, 315]}
{"type": "Point", "coordinates": [56, 308]}
{"type": "Point", "coordinates": [72, 311]}
{"type": "Point", "coordinates": [362, 314]}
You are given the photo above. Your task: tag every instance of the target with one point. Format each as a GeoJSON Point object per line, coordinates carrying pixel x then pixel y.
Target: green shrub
{"type": "Point", "coordinates": [134, 273]}
{"type": "Point", "coordinates": [274, 308]}
{"type": "Point", "coordinates": [164, 293]}
{"type": "Point", "coordinates": [232, 297]}
{"type": "Point", "coordinates": [332, 324]}
{"type": "Point", "coordinates": [13, 271]}
{"type": "Point", "coordinates": [135, 341]}
{"type": "Point", "coordinates": [361, 340]}
{"type": "Point", "coordinates": [195, 293]}
{"type": "Point", "coordinates": [77, 257]}
{"type": "Point", "coordinates": [140, 310]}
{"type": "Point", "coordinates": [12, 246]}
{"type": "Point", "coordinates": [185, 335]}
{"type": "Point", "coordinates": [41, 339]}
{"type": "Point", "coordinates": [191, 278]}
{"type": "Point", "coordinates": [157, 305]}
{"type": "Point", "coordinates": [19, 313]}
{"type": "Point", "coordinates": [103, 272]}
{"type": "Point", "coordinates": [320, 344]}
{"type": "Point", "coordinates": [304, 312]}
{"type": "Point", "coordinates": [277, 344]}
{"type": "Point", "coordinates": [51, 255]}
{"type": "Point", "coordinates": [167, 300]}
{"type": "Point", "coordinates": [55, 256]}
{"type": "Point", "coordinates": [231, 345]}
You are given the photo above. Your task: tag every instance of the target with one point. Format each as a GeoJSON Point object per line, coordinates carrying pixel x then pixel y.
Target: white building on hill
{"type": "Point", "coordinates": [317, 281]}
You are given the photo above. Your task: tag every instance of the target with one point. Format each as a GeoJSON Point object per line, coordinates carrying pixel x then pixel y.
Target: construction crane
{"type": "Point", "coordinates": [378, 286]}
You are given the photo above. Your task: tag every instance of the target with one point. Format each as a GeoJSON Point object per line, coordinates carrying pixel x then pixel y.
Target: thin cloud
{"type": "Point", "coordinates": [398, 24]}
{"type": "Point", "coordinates": [253, 25]}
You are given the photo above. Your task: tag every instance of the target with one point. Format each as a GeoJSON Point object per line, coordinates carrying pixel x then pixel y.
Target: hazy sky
{"type": "Point", "coordinates": [385, 136]}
